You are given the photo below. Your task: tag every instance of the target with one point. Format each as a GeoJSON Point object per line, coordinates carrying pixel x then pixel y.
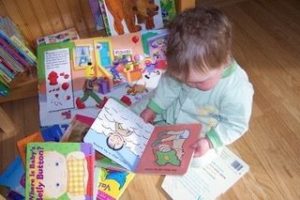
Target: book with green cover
{"type": "Point", "coordinates": [59, 171]}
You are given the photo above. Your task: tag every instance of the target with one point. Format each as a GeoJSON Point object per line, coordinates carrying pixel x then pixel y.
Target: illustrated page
{"type": "Point", "coordinates": [169, 150]}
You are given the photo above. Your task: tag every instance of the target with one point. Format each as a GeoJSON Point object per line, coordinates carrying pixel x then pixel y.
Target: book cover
{"type": "Point", "coordinates": [77, 77]}
{"type": "Point", "coordinates": [168, 10]}
{"type": "Point", "coordinates": [59, 171]}
{"type": "Point", "coordinates": [209, 181]}
{"type": "Point", "coordinates": [111, 183]}
{"type": "Point", "coordinates": [132, 16]}
{"type": "Point", "coordinates": [121, 135]}
{"type": "Point", "coordinates": [22, 143]}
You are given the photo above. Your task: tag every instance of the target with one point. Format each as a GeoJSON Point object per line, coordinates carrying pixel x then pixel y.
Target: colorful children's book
{"type": "Point", "coordinates": [77, 77]}
{"type": "Point", "coordinates": [76, 131]}
{"type": "Point", "coordinates": [21, 144]}
{"type": "Point", "coordinates": [121, 135]}
{"type": "Point", "coordinates": [14, 177]}
{"type": "Point", "coordinates": [208, 182]}
{"type": "Point", "coordinates": [59, 171]}
{"type": "Point", "coordinates": [131, 16]}
{"type": "Point", "coordinates": [111, 184]}
{"type": "Point", "coordinates": [168, 10]}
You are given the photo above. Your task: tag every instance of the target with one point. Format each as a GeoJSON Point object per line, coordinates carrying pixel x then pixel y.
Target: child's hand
{"type": "Point", "coordinates": [148, 115]}
{"type": "Point", "coordinates": [201, 147]}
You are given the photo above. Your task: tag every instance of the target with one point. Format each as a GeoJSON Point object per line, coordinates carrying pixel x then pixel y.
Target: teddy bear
{"type": "Point", "coordinates": [129, 10]}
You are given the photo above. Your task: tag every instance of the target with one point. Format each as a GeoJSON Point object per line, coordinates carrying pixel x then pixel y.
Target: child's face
{"type": "Point", "coordinates": [204, 80]}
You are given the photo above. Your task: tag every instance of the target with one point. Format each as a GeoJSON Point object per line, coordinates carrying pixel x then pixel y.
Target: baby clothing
{"type": "Point", "coordinates": [224, 111]}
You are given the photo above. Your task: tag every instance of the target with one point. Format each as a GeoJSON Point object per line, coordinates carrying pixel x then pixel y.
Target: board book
{"type": "Point", "coordinates": [22, 143]}
{"type": "Point", "coordinates": [111, 184]}
{"type": "Point", "coordinates": [121, 135]}
{"type": "Point", "coordinates": [76, 131]}
{"type": "Point", "coordinates": [59, 171]}
{"type": "Point", "coordinates": [76, 77]}
{"type": "Point", "coordinates": [209, 181]}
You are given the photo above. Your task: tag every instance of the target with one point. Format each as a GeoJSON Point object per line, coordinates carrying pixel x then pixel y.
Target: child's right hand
{"type": "Point", "coordinates": [148, 115]}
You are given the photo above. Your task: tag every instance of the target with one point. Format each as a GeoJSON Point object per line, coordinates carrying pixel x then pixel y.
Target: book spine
{"type": "Point", "coordinates": [5, 78]}
{"type": "Point", "coordinates": [9, 59]}
{"type": "Point", "coordinates": [5, 39]}
{"type": "Point", "coordinates": [8, 65]}
{"type": "Point", "coordinates": [95, 8]}
{"type": "Point", "coordinates": [13, 53]}
{"type": "Point", "coordinates": [4, 69]}
{"type": "Point", "coordinates": [23, 48]}
{"type": "Point", "coordinates": [104, 16]}
{"type": "Point", "coordinates": [4, 90]}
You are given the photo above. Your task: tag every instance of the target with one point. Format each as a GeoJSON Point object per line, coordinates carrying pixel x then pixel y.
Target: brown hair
{"type": "Point", "coordinates": [199, 38]}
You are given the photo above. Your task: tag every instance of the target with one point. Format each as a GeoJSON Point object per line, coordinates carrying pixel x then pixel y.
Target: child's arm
{"type": "Point", "coordinates": [235, 112]}
{"type": "Point", "coordinates": [167, 91]}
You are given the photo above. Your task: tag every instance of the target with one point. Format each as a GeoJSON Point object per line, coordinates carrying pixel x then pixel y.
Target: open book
{"type": "Point", "coordinates": [208, 182]}
{"type": "Point", "coordinates": [121, 135]}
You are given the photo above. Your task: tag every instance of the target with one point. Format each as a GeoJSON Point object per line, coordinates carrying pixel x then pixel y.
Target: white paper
{"type": "Point", "coordinates": [59, 89]}
{"type": "Point", "coordinates": [207, 182]}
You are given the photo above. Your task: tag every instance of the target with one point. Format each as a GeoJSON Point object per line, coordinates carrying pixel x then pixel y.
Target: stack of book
{"type": "Point", "coordinates": [15, 55]}
{"type": "Point", "coordinates": [131, 16]}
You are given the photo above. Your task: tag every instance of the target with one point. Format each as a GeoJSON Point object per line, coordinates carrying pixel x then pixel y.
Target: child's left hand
{"type": "Point", "coordinates": [201, 147]}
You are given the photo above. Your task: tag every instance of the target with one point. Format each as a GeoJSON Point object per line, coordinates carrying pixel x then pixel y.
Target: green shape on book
{"type": "Point", "coordinates": [163, 158]}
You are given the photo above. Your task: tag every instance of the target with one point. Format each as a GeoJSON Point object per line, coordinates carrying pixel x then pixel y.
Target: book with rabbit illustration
{"type": "Point", "coordinates": [59, 171]}
{"type": "Point", "coordinates": [121, 135]}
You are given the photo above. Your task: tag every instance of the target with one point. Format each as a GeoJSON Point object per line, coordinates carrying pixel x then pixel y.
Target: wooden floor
{"type": "Point", "coordinates": [267, 45]}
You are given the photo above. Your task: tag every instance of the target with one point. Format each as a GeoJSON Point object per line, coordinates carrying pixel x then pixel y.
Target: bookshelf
{"type": "Point", "coordinates": [58, 16]}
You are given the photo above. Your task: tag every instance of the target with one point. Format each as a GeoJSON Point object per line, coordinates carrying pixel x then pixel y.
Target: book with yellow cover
{"type": "Point", "coordinates": [111, 184]}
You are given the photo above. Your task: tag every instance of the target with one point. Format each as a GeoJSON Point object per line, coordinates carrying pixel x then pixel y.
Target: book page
{"type": "Point", "coordinates": [59, 89]}
{"type": "Point", "coordinates": [207, 182]}
{"type": "Point", "coordinates": [119, 134]}
{"type": "Point", "coordinates": [169, 150]}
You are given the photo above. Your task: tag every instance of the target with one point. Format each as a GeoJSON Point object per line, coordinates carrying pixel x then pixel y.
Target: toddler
{"type": "Point", "coordinates": [203, 83]}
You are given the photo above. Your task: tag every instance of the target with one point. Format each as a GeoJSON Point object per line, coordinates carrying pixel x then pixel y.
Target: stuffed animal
{"type": "Point", "coordinates": [130, 10]}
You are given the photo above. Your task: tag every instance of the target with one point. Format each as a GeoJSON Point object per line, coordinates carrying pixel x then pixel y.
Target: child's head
{"type": "Point", "coordinates": [199, 46]}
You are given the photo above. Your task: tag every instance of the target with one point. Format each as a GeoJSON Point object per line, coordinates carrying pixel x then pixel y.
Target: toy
{"type": "Point", "coordinates": [125, 99]}
{"type": "Point", "coordinates": [127, 10]}
{"type": "Point", "coordinates": [88, 89]}
{"type": "Point", "coordinates": [133, 90]}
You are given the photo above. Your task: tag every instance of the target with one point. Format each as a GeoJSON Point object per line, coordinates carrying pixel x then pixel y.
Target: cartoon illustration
{"type": "Point", "coordinates": [88, 89]}
{"type": "Point", "coordinates": [117, 139]}
{"type": "Point", "coordinates": [128, 10]}
{"type": "Point", "coordinates": [117, 176]}
{"type": "Point", "coordinates": [168, 147]}
{"type": "Point", "coordinates": [65, 175]}
{"type": "Point", "coordinates": [136, 88]}
{"type": "Point", "coordinates": [83, 57]}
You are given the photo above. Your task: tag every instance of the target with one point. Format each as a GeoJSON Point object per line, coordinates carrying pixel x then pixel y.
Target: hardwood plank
{"type": "Point", "coordinates": [54, 15]}
{"type": "Point", "coordinates": [65, 13]}
{"type": "Point", "coordinates": [3, 11]}
{"type": "Point", "coordinates": [28, 15]}
{"type": "Point", "coordinates": [42, 16]}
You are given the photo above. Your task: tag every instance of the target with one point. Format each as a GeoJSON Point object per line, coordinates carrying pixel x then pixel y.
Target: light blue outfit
{"type": "Point", "coordinates": [224, 111]}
